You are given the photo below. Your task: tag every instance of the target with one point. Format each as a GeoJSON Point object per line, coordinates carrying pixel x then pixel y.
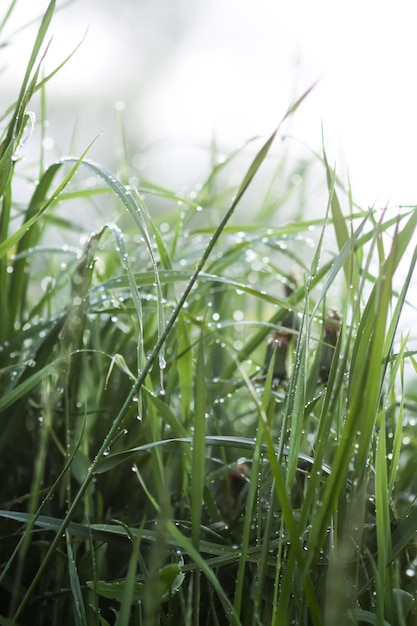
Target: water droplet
{"type": "Point", "coordinates": [238, 316]}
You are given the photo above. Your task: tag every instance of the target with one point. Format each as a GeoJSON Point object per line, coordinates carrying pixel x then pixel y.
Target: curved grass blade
{"type": "Point", "coordinates": [245, 443]}
{"type": "Point", "coordinates": [133, 289]}
{"type": "Point", "coordinates": [137, 212]}
{"type": "Point", "coordinates": [15, 237]}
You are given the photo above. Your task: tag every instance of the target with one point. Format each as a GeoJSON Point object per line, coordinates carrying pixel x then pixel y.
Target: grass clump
{"type": "Point", "coordinates": [202, 421]}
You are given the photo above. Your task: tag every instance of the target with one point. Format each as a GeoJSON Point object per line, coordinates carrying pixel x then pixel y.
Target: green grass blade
{"type": "Point", "coordinates": [13, 239]}
{"type": "Point", "coordinates": [199, 444]}
{"type": "Point", "coordinates": [137, 212]}
{"type": "Point", "coordinates": [27, 88]}
{"type": "Point", "coordinates": [7, 15]}
{"type": "Point", "coordinates": [79, 609]}
{"type": "Point", "coordinates": [383, 526]}
{"type": "Point", "coordinates": [128, 593]}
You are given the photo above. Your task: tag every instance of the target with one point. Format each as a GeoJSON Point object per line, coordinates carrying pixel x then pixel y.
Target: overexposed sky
{"type": "Point", "coordinates": [188, 69]}
{"type": "Point", "coordinates": [244, 61]}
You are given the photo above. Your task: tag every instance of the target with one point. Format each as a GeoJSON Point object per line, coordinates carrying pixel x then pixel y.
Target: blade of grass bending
{"type": "Point", "coordinates": [118, 235]}
{"type": "Point", "coordinates": [118, 421]}
{"type": "Point", "coordinates": [113, 460]}
{"type": "Point", "coordinates": [137, 211]}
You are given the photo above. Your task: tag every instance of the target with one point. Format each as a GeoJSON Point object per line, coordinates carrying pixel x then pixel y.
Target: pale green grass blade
{"type": "Point", "coordinates": [7, 14]}
{"type": "Point", "coordinates": [40, 84]}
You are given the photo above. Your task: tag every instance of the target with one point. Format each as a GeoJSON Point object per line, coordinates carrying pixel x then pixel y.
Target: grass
{"type": "Point", "coordinates": [203, 421]}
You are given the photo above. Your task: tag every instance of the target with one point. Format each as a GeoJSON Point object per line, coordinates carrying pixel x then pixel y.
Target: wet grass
{"type": "Point", "coordinates": [208, 416]}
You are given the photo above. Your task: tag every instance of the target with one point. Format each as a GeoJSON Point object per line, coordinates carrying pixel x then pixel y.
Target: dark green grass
{"type": "Point", "coordinates": [205, 418]}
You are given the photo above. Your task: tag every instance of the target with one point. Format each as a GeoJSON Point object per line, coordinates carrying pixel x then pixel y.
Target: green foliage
{"type": "Point", "coordinates": [203, 421]}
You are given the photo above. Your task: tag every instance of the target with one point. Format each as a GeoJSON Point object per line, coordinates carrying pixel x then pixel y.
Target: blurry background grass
{"type": "Point", "coordinates": [206, 418]}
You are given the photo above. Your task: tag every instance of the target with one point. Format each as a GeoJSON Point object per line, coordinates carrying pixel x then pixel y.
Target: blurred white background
{"type": "Point", "coordinates": [193, 69]}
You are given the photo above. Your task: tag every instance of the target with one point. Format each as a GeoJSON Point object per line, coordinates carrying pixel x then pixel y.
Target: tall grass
{"type": "Point", "coordinates": [203, 421]}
